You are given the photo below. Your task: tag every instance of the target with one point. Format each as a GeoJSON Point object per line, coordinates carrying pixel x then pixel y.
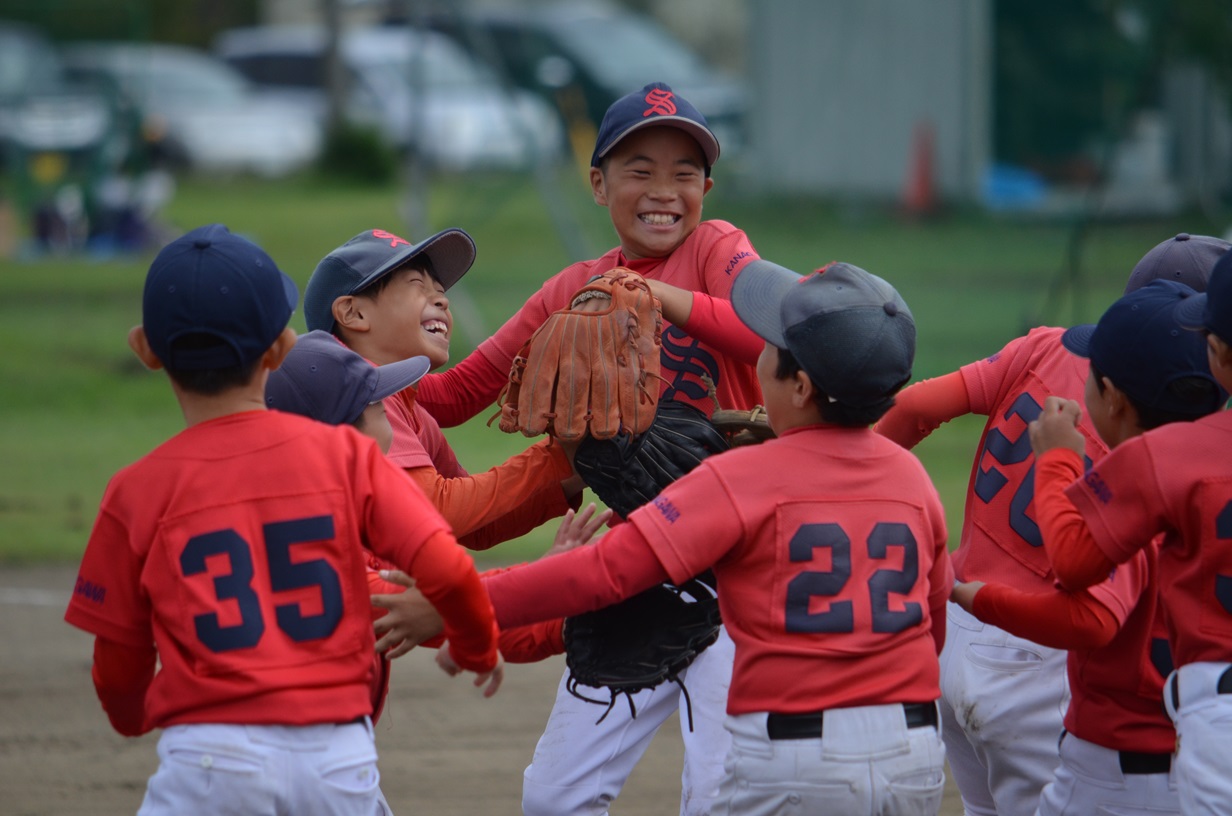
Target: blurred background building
{"type": "Point", "coordinates": [1113, 107]}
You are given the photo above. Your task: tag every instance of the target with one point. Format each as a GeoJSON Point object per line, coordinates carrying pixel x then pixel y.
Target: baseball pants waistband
{"type": "Point", "coordinates": [1197, 683]}
{"type": "Point", "coordinates": [808, 726]}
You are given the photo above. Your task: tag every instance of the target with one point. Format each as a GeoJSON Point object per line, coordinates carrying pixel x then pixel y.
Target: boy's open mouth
{"type": "Point", "coordinates": [659, 219]}
{"type": "Point", "coordinates": [436, 327]}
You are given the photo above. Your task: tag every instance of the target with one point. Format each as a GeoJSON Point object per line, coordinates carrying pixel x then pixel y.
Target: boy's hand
{"type": "Point", "coordinates": [410, 620]}
{"type": "Point", "coordinates": [1057, 427]}
{"type": "Point", "coordinates": [963, 594]}
{"type": "Point", "coordinates": [576, 530]}
{"type": "Point", "coordinates": [493, 678]}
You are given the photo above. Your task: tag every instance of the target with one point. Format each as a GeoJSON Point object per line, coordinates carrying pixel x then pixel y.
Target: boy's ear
{"type": "Point", "coordinates": [802, 390]}
{"type": "Point", "coordinates": [597, 188]}
{"type": "Point", "coordinates": [279, 349]}
{"type": "Point", "coordinates": [140, 344]}
{"type": "Point", "coordinates": [349, 314]}
{"type": "Point", "coordinates": [1220, 355]}
{"type": "Point", "coordinates": [708, 186]}
{"type": "Point", "coordinates": [1115, 399]}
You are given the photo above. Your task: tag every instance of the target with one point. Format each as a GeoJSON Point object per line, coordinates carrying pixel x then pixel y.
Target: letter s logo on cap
{"type": "Point", "coordinates": [394, 240]}
{"type": "Point", "coordinates": [660, 102]}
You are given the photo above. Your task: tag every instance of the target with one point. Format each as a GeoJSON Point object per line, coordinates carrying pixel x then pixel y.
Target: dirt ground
{"type": "Point", "coordinates": [444, 749]}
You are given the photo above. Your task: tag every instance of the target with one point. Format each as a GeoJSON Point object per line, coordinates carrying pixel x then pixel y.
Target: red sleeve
{"type": "Point", "coordinates": [921, 408]}
{"type": "Point", "coordinates": [122, 675]}
{"type": "Point", "coordinates": [463, 391]}
{"type": "Point", "coordinates": [445, 574]}
{"type": "Point", "coordinates": [542, 507]}
{"type": "Point", "coordinates": [533, 642]}
{"type": "Point", "coordinates": [618, 566]}
{"type": "Point", "coordinates": [1076, 559]}
{"type": "Point", "coordinates": [522, 485]}
{"type": "Point", "coordinates": [1060, 620]}
{"type": "Point", "coordinates": [713, 321]}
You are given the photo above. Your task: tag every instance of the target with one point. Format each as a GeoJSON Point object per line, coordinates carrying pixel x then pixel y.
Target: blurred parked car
{"type": "Point", "coordinates": [582, 56]}
{"type": "Point", "coordinates": [200, 112]}
{"type": "Point", "coordinates": [419, 89]}
{"type": "Point", "coordinates": [58, 140]}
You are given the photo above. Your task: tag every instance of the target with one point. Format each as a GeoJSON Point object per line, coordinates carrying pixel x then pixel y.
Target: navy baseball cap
{"type": "Point", "coordinates": [323, 379]}
{"type": "Point", "coordinates": [211, 283]}
{"type": "Point", "coordinates": [1186, 259]}
{"type": "Point", "coordinates": [372, 255]}
{"type": "Point", "coordinates": [1212, 310]}
{"type": "Point", "coordinates": [1140, 344]}
{"type": "Point", "coordinates": [851, 332]}
{"type": "Point", "coordinates": [654, 104]}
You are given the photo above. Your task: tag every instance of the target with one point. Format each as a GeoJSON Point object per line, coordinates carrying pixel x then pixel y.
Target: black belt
{"type": "Point", "coordinates": [1137, 762]}
{"type": "Point", "coordinates": [808, 726]}
{"type": "Point", "coordinates": [1223, 686]}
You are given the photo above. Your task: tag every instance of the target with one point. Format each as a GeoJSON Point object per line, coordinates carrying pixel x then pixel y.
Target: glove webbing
{"type": "Point", "coordinates": [572, 687]}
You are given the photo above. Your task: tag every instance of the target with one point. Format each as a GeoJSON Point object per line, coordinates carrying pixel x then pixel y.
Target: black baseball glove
{"type": "Point", "coordinates": [641, 642]}
{"type": "Point", "coordinates": [626, 471]}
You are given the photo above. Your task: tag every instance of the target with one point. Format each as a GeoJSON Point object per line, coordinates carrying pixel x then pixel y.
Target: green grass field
{"type": "Point", "coordinates": [76, 405]}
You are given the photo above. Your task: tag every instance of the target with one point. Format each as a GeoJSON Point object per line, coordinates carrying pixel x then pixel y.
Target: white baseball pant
{"type": "Point", "coordinates": [579, 767]}
{"type": "Point", "coordinates": [266, 770]}
{"type": "Point", "coordinates": [1003, 701]}
{"type": "Point", "coordinates": [1092, 779]}
{"type": "Point", "coordinates": [1198, 697]}
{"type": "Point", "coordinates": [866, 761]}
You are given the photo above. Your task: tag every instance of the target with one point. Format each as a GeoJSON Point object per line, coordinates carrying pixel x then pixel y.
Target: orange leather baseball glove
{"type": "Point", "coordinates": [592, 368]}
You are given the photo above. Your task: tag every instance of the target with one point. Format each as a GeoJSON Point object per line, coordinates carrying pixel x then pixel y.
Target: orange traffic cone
{"type": "Point", "coordinates": [919, 197]}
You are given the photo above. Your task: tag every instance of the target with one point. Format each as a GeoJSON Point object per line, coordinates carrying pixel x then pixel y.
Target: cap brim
{"type": "Point", "coordinates": [757, 296]}
{"type": "Point", "coordinates": [290, 290]}
{"type": "Point", "coordinates": [393, 377]}
{"type": "Point", "coordinates": [702, 135]}
{"type": "Point", "coordinates": [1077, 340]}
{"type": "Point", "coordinates": [451, 251]}
{"type": "Point", "coordinates": [1191, 312]}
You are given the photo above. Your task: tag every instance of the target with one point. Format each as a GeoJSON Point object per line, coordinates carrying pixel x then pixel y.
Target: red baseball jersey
{"type": "Point", "coordinates": [1174, 479]}
{"type": "Point", "coordinates": [707, 262]}
{"type": "Point", "coordinates": [1000, 540]}
{"type": "Point", "coordinates": [829, 546]}
{"type": "Point", "coordinates": [237, 549]}
{"type": "Point", "coordinates": [1116, 690]}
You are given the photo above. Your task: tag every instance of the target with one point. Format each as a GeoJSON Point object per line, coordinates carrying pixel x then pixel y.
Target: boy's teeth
{"type": "Point", "coordinates": [659, 219]}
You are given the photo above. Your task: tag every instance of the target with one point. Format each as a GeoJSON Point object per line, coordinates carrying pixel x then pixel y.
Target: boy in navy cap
{"type": "Point", "coordinates": [385, 298]}
{"type": "Point", "coordinates": [324, 380]}
{"type": "Point", "coordinates": [1004, 696]}
{"type": "Point", "coordinates": [1173, 480]}
{"type": "Point", "coordinates": [832, 563]}
{"type": "Point", "coordinates": [224, 576]}
{"type": "Point", "coordinates": [651, 169]}
{"type": "Point", "coordinates": [1116, 753]}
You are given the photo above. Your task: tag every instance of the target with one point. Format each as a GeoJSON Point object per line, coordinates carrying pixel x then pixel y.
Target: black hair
{"type": "Point", "coordinates": [208, 382]}
{"type": "Point", "coordinates": [1199, 392]}
{"type": "Point", "coordinates": [835, 413]}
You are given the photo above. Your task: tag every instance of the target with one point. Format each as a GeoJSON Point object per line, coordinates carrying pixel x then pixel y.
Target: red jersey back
{"type": "Point", "coordinates": [829, 546]}
{"type": "Point", "coordinates": [237, 548]}
{"type": "Point", "coordinates": [1116, 689]}
{"type": "Point", "coordinates": [1000, 541]}
{"type": "Point", "coordinates": [708, 262]}
{"type": "Point", "coordinates": [1175, 479]}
